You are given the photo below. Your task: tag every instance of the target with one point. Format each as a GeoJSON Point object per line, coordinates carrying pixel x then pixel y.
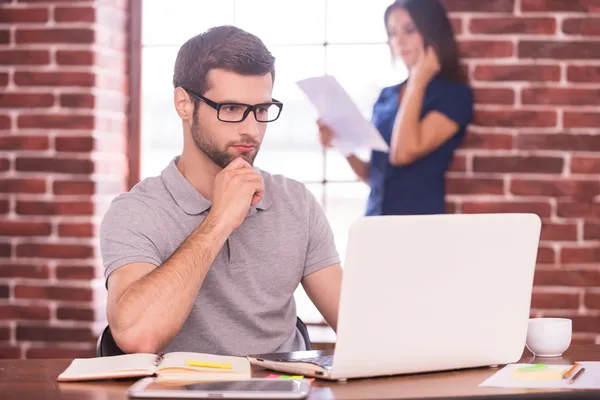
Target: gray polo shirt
{"type": "Point", "coordinates": [246, 304]}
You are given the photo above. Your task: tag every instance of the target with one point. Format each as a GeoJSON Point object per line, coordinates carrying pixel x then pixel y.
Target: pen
{"type": "Point", "coordinates": [159, 358]}
{"type": "Point", "coordinates": [577, 374]}
{"type": "Point", "coordinates": [570, 371]}
{"type": "Point", "coordinates": [208, 364]}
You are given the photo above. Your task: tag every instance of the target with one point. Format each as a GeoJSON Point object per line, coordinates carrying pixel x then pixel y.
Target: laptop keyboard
{"type": "Point", "coordinates": [322, 361]}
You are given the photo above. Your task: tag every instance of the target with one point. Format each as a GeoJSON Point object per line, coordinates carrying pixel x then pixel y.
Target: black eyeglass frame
{"type": "Point", "coordinates": [249, 107]}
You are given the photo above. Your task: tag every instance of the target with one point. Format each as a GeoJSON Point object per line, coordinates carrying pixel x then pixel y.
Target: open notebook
{"type": "Point", "coordinates": [173, 367]}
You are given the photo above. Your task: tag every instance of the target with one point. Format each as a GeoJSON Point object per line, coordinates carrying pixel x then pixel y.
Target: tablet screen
{"type": "Point", "coordinates": [252, 385]}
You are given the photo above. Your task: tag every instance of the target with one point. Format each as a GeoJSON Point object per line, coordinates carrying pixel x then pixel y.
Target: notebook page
{"type": "Point", "coordinates": [99, 367]}
{"type": "Point", "coordinates": [176, 362]}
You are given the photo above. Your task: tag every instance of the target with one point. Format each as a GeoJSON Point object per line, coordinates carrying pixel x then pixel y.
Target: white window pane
{"type": "Point", "coordinates": [283, 22]}
{"type": "Point", "coordinates": [175, 21]}
{"type": "Point", "coordinates": [291, 145]}
{"type": "Point", "coordinates": [363, 70]}
{"type": "Point", "coordinates": [337, 167]}
{"type": "Point", "coordinates": [344, 203]}
{"type": "Point", "coordinates": [161, 132]}
{"type": "Point", "coordinates": [356, 21]}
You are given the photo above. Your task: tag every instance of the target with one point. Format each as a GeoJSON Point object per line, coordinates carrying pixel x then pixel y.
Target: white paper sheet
{"type": "Point", "coordinates": [337, 110]}
{"type": "Point", "coordinates": [589, 379]}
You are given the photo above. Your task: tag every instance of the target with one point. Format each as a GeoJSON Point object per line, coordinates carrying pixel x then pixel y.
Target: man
{"type": "Point", "coordinates": [206, 257]}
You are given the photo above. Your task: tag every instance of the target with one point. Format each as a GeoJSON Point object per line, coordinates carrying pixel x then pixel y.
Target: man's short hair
{"type": "Point", "coordinates": [224, 47]}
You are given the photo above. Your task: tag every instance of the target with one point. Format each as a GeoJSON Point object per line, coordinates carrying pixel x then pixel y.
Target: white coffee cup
{"type": "Point", "coordinates": [549, 337]}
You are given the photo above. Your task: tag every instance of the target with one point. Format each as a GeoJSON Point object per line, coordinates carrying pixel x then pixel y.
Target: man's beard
{"type": "Point", "coordinates": [219, 157]}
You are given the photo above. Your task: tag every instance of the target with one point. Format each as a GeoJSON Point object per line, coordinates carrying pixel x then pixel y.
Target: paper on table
{"type": "Point", "coordinates": [506, 378]}
{"type": "Point", "coordinates": [337, 110]}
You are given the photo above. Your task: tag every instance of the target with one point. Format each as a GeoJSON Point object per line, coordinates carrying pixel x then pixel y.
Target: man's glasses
{"type": "Point", "coordinates": [237, 112]}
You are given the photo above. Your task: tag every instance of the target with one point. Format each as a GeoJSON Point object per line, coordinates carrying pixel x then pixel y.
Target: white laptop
{"type": "Point", "coordinates": [427, 293]}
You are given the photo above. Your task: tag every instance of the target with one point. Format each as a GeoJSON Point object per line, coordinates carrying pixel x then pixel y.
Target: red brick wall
{"type": "Point", "coordinates": [534, 146]}
{"type": "Point", "coordinates": [535, 142]}
{"type": "Point", "coordinates": [63, 130]}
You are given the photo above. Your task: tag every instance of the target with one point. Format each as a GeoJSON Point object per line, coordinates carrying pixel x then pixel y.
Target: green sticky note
{"type": "Point", "coordinates": [533, 368]}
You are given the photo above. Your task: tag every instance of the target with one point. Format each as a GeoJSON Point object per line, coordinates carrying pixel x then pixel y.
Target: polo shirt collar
{"type": "Point", "coordinates": [188, 198]}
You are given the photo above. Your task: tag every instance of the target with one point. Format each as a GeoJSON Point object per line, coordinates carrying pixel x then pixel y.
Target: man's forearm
{"type": "Point", "coordinates": [152, 310]}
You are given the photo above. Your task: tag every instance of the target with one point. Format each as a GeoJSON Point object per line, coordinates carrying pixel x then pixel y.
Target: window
{"type": "Point", "coordinates": [308, 38]}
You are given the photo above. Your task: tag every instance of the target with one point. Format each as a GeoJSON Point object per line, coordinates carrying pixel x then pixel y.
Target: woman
{"type": "Point", "coordinates": [423, 119]}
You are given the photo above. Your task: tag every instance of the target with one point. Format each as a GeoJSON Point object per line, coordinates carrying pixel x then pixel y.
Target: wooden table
{"type": "Point", "coordinates": [33, 379]}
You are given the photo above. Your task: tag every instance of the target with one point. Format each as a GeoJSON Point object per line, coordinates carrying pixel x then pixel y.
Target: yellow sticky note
{"type": "Point", "coordinates": [538, 372]}
{"type": "Point", "coordinates": [208, 364]}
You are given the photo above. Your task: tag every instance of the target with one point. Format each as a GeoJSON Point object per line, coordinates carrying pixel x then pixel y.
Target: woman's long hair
{"type": "Point", "coordinates": [431, 20]}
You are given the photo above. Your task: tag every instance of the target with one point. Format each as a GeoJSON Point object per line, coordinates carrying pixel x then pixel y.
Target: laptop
{"type": "Point", "coordinates": [427, 293]}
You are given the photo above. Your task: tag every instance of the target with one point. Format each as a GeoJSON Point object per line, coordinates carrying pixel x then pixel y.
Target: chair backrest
{"type": "Point", "coordinates": [106, 345]}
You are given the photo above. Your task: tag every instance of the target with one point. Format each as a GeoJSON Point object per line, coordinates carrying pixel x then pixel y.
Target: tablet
{"type": "Point", "coordinates": [245, 389]}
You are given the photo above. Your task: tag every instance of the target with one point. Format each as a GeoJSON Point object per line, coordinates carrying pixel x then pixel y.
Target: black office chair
{"type": "Point", "coordinates": [106, 345]}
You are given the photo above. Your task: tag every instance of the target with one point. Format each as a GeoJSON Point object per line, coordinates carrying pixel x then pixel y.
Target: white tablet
{"type": "Point", "coordinates": [245, 389]}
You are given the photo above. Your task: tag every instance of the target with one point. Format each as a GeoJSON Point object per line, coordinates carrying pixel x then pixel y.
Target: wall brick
{"type": "Point", "coordinates": [23, 142]}
{"type": "Point", "coordinates": [24, 271]}
{"type": "Point", "coordinates": [542, 209]}
{"type": "Point", "coordinates": [66, 293]}
{"type": "Point", "coordinates": [27, 207]}
{"type": "Point", "coordinates": [513, 25]}
{"type": "Point", "coordinates": [583, 73]}
{"type": "Point", "coordinates": [58, 165]}
{"type": "Point", "coordinates": [24, 57]}
{"type": "Point", "coordinates": [565, 142]}
{"type": "Point", "coordinates": [53, 334]}
{"type": "Point", "coordinates": [23, 15]}
{"type": "Point", "coordinates": [565, 232]}
{"type": "Point", "coordinates": [29, 185]}
{"type": "Point", "coordinates": [14, 312]}
{"type": "Point", "coordinates": [591, 231]}
{"type": "Point", "coordinates": [77, 100]}
{"type": "Point", "coordinates": [55, 35]}
{"type": "Point", "coordinates": [82, 144]}
{"type": "Point", "coordinates": [560, 96]}
{"type": "Point", "coordinates": [496, 6]}
{"type": "Point", "coordinates": [592, 301]}
{"type": "Point", "coordinates": [560, 5]}
{"type": "Point", "coordinates": [570, 278]}
{"type": "Point", "coordinates": [545, 300]}
{"type": "Point", "coordinates": [489, 141]}
{"type": "Point", "coordinates": [474, 186]}
{"type": "Point", "coordinates": [55, 121]}
{"type": "Point", "coordinates": [48, 250]}
{"type": "Point", "coordinates": [5, 333]}
{"type": "Point", "coordinates": [515, 118]}
{"type": "Point", "coordinates": [26, 100]}
{"type": "Point", "coordinates": [582, 190]}
{"type": "Point", "coordinates": [569, 209]}
{"type": "Point", "coordinates": [10, 352]}
{"type": "Point", "coordinates": [586, 323]}
{"type": "Point", "coordinates": [38, 78]}
{"type": "Point", "coordinates": [581, 26]}
{"type": "Point", "coordinates": [585, 165]}
{"type": "Point", "coordinates": [82, 229]}
{"type": "Point", "coordinates": [561, 50]}
{"type": "Point", "coordinates": [486, 48]}
{"type": "Point", "coordinates": [58, 352]}
{"type": "Point", "coordinates": [24, 228]}
{"type": "Point", "coordinates": [574, 119]}
{"type": "Point", "coordinates": [75, 14]}
{"type": "Point", "coordinates": [79, 272]}
{"type": "Point", "coordinates": [5, 250]}
{"type": "Point", "coordinates": [580, 255]}
{"type": "Point", "coordinates": [494, 96]}
{"type": "Point", "coordinates": [77, 314]}
{"type": "Point", "coordinates": [516, 164]}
